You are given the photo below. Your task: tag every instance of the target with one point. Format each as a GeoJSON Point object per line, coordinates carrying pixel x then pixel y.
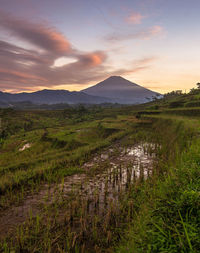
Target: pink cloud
{"type": "Point", "coordinates": [155, 30]}
{"type": "Point", "coordinates": [143, 34]}
{"type": "Point", "coordinates": [134, 18]}
{"type": "Point", "coordinates": [40, 35]}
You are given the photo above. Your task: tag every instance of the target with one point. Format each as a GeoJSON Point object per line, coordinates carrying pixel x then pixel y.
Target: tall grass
{"type": "Point", "coordinates": [168, 219]}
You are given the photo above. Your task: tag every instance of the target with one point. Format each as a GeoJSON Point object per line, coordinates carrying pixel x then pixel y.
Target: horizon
{"type": "Point", "coordinates": [74, 90]}
{"type": "Point", "coordinates": [73, 45]}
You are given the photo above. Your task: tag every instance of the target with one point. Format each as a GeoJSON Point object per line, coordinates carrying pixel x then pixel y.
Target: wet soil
{"type": "Point", "coordinates": [106, 173]}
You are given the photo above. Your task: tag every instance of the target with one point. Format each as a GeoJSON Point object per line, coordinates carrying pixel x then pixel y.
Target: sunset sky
{"type": "Point", "coordinates": [73, 44]}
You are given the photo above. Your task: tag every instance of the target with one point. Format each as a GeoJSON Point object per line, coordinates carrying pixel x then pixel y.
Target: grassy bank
{"type": "Point", "coordinates": [168, 215]}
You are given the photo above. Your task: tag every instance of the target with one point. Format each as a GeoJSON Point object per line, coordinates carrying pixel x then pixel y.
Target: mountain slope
{"type": "Point", "coordinates": [52, 97]}
{"type": "Point", "coordinates": [115, 89]}
{"type": "Point", "coordinates": [120, 90]}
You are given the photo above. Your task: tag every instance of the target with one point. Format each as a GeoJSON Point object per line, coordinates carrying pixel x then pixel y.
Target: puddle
{"type": "Point", "coordinates": [122, 166]}
{"type": "Point", "coordinates": [129, 165]}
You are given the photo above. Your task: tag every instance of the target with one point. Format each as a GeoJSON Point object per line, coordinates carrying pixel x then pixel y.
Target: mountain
{"type": "Point", "coordinates": [115, 89]}
{"type": "Point", "coordinates": [52, 97]}
{"type": "Point", "coordinates": [120, 90]}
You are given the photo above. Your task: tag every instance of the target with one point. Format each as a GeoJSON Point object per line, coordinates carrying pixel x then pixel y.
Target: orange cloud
{"type": "Point", "coordinates": [93, 59]}
{"type": "Point", "coordinates": [134, 18]}
{"type": "Point", "coordinates": [96, 59]}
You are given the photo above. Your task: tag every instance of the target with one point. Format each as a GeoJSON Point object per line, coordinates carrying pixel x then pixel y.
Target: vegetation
{"type": "Point", "coordinates": [168, 216]}
{"type": "Point", "coordinates": [70, 176]}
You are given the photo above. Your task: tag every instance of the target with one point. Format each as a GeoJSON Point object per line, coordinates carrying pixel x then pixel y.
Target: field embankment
{"type": "Point", "coordinates": [168, 217]}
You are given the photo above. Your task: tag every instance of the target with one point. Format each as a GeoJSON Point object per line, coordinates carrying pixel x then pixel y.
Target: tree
{"type": "Point", "coordinates": [147, 98]}
{"type": "Point", "coordinates": [198, 85]}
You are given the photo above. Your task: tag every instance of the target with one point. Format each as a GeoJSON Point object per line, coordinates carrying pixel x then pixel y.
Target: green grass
{"type": "Point", "coordinates": [168, 217]}
{"type": "Point", "coordinates": [57, 145]}
{"type": "Point", "coordinates": [161, 214]}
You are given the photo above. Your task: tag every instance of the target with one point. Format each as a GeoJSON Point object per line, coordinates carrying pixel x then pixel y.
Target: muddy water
{"type": "Point", "coordinates": [33, 204]}
{"type": "Point", "coordinates": [129, 165]}
{"type": "Point", "coordinates": [121, 166]}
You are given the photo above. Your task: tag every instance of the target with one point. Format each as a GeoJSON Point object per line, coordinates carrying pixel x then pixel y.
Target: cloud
{"type": "Point", "coordinates": [33, 68]}
{"type": "Point", "coordinates": [20, 76]}
{"type": "Point", "coordinates": [40, 35]}
{"type": "Point", "coordinates": [136, 66]}
{"type": "Point", "coordinates": [93, 59]}
{"type": "Point", "coordinates": [134, 18]}
{"type": "Point", "coordinates": [145, 61]}
{"type": "Point", "coordinates": [144, 34]}
{"type": "Point", "coordinates": [155, 30]}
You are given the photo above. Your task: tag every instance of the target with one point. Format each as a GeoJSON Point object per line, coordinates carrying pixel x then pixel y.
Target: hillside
{"type": "Point", "coordinates": [121, 91]}
{"type": "Point", "coordinates": [115, 89]}
{"type": "Point", "coordinates": [52, 97]}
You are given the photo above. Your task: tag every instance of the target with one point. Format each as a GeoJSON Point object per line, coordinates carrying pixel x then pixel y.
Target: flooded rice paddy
{"type": "Point", "coordinates": [106, 175]}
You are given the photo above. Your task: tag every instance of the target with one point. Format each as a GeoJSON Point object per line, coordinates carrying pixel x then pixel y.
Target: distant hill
{"type": "Point", "coordinates": [52, 97]}
{"type": "Point", "coordinates": [115, 89]}
{"type": "Point", "coordinates": [120, 90]}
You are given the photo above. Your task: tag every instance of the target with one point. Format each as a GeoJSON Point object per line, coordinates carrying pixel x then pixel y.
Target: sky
{"type": "Point", "coordinates": [74, 44]}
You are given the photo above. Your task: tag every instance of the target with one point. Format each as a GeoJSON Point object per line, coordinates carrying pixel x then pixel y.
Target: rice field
{"type": "Point", "coordinates": [95, 180]}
